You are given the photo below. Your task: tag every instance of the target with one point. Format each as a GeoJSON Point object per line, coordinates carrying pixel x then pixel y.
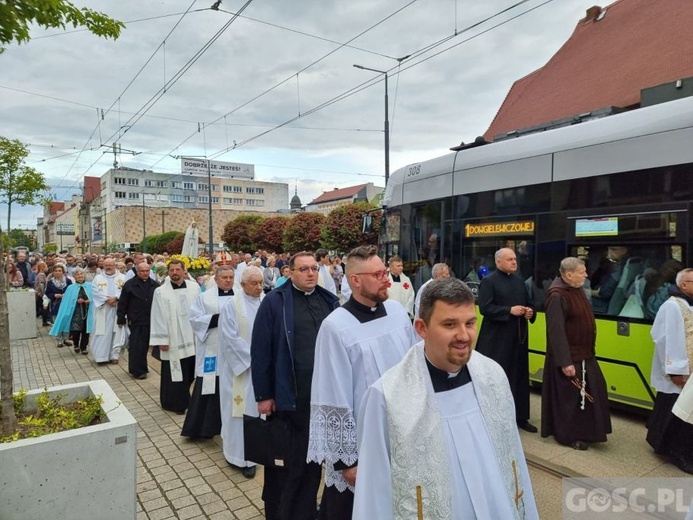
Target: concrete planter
{"type": "Point", "coordinates": [85, 473]}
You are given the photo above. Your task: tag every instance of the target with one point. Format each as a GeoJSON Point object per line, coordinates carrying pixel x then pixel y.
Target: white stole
{"type": "Point", "coordinates": [419, 463]}
{"type": "Point", "coordinates": [209, 378]}
{"type": "Point", "coordinates": [241, 380]}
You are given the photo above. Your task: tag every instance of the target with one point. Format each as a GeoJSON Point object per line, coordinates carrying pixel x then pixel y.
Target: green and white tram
{"type": "Point", "coordinates": [623, 182]}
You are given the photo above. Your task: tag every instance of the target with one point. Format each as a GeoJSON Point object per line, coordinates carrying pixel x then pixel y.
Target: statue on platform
{"type": "Point", "coordinates": [191, 241]}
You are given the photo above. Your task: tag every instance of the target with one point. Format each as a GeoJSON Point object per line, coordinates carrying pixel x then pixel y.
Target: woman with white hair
{"type": "Point", "coordinates": [55, 289]}
{"type": "Point", "coordinates": [75, 313]}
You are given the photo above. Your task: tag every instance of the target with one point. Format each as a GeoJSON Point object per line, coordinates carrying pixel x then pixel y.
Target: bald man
{"type": "Point", "coordinates": [505, 305]}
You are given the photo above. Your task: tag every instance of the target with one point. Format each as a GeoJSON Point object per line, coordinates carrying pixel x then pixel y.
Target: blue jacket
{"type": "Point", "coordinates": [68, 306]}
{"type": "Point", "coordinates": [272, 347]}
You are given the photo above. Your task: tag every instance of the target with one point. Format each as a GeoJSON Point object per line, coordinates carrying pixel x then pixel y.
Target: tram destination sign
{"type": "Point", "coordinates": [525, 227]}
{"type": "Point", "coordinates": [596, 227]}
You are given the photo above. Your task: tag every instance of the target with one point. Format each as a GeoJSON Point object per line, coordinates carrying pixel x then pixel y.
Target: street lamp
{"type": "Point", "coordinates": [387, 122]}
{"type": "Point", "coordinates": [209, 197]}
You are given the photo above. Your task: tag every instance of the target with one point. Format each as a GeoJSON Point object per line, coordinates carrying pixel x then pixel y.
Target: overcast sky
{"type": "Point", "coordinates": [70, 95]}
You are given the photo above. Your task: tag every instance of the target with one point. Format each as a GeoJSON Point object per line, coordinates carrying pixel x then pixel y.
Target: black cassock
{"type": "Point", "coordinates": [504, 337]}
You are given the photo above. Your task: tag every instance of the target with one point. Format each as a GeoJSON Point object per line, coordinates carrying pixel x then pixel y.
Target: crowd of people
{"type": "Point", "coordinates": [368, 378]}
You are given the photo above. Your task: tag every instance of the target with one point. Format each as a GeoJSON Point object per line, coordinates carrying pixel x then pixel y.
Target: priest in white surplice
{"type": "Point", "coordinates": [356, 344]}
{"type": "Point", "coordinates": [401, 290]}
{"type": "Point", "coordinates": [237, 395]}
{"type": "Point", "coordinates": [437, 433]}
{"type": "Point", "coordinates": [172, 333]}
{"type": "Point", "coordinates": [203, 419]}
{"type": "Point", "coordinates": [325, 280]}
{"type": "Point", "coordinates": [106, 289]}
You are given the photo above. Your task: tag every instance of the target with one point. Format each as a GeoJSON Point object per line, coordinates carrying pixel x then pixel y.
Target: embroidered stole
{"type": "Point", "coordinates": [418, 456]}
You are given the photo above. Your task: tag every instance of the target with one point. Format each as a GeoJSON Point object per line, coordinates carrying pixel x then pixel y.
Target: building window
{"type": "Point", "coordinates": [119, 180]}
{"type": "Point", "coordinates": [133, 182]}
{"type": "Point", "coordinates": [133, 196]}
{"type": "Point", "coordinates": [238, 189]}
{"type": "Point", "coordinates": [188, 185]}
{"type": "Point", "coordinates": [238, 202]}
{"type": "Point", "coordinates": [203, 198]}
{"type": "Point", "coordinates": [176, 198]}
{"type": "Point", "coordinates": [202, 187]}
{"type": "Point", "coordinates": [175, 184]}
{"type": "Point", "coordinates": [254, 202]}
{"type": "Point", "coordinates": [148, 183]}
{"type": "Point", "coordinates": [227, 200]}
{"type": "Point", "coordinates": [161, 184]}
{"type": "Point", "coordinates": [188, 198]}
{"type": "Point", "coordinates": [119, 194]}
{"type": "Point", "coordinates": [215, 187]}
{"type": "Point", "coordinates": [215, 200]}
{"type": "Point", "coordinates": [227, 189]}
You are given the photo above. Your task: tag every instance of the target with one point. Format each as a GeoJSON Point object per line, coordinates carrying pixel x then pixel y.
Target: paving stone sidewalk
{"type": "Point", "coordinates": [176, 477]}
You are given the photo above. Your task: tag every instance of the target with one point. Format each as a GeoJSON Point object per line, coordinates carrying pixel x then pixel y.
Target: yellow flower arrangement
{"type": "Point", "coordinates": [195, 266]}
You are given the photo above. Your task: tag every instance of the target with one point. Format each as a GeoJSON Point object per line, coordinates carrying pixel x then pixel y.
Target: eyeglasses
{"type": "Point", "coordinates": [379, 275]}
{"type": "Point", "coordinates": [306, 268]}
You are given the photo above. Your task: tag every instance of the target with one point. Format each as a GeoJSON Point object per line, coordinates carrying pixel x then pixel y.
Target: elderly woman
{"type": "Point", "coordinates": [270, 275]}
{"type": "Point", "coordinates": [40, 288]}
{"type": "Point", "coordinates": [14, 275]}
{"type": "Point", "coordinates": [55, 288]}
{"type": "Point", "coordinates": [286, 274]}
{"type": "Point", "coordinates": [75, 314]}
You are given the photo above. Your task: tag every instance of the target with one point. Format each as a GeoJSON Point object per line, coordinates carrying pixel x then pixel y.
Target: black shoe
{"type": "Point", "coordinates": [682, 463]}
{"type": "Point", "coordinates": [579, 445]}
{"type": "Point", "coordinates": [141, 376]}
{"type": "Point", "coordinates": [527, 426]}
{"type": "Point", "coordinates": [249, 472]}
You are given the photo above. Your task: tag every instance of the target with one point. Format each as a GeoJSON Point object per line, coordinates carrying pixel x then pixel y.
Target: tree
{"type": "Point", "coordinates": [240, 234]}
{"type": "Point", "coordinates": [20, 238]}
{"type": "Point", "coordinates": [342, 228]}
{"type": "Point", "coordinates": [302, 233]}
{"type": "Point", "coordinates": [271, 235]}
{"type": "Point", "coordinates": [19, 183]}
{"type": "Point", "coordinates": [158, 244]}
{"type": "Point", "coordinates": [16, 18]}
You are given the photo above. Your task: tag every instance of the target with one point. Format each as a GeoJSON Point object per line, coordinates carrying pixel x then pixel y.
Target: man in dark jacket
{"type": "Point", "coordinates": [25, 268]}
{"type": "Point", "coordinates": [134, 307]}
{"type": "Point", "coordinates": [505, 305]}
{"type": "Point", "coordinates": [282, 353]}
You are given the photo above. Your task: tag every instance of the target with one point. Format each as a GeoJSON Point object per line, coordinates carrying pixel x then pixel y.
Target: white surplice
{"type": "Point", "coordinates": [170, 323]}
{"type": "Point", "coordinates": [236, 394]}
{"type": "Point", "coordinates": [349, 357]}
{"type": "Point", "coordinates": [103, 336]}
{"type": "Point", "coordinates": [205, 307]}
{"type": "Point", "coordinates": [325, 279]}
{"type": "Point", "coordinates": [402, 292]}
{"type": "Point", "coordinates": [669, 335]}
{"type": "Point", "coordinates": [462, 447]}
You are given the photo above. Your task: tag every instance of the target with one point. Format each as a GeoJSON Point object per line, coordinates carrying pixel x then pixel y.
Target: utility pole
{"type": "Point", "coordinates": [143, 246]}
{"type": "Point", "coordinates": [163, 214]}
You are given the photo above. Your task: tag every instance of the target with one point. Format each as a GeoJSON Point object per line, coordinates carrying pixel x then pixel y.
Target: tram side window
{"type": "Point", "coordinates": [629, 281]}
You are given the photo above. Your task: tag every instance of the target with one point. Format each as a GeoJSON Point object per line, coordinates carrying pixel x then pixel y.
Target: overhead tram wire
{"type": "Point", "coordinates": [127, 22]}
{"type": "Point", "coordinates": [289, 78]}
{"type": "Point", "coordinates": [178, 75]}
{"type": "Point", "coordinates": [378, 79]}
{"type": "Point", "coordinates": [98, 125]}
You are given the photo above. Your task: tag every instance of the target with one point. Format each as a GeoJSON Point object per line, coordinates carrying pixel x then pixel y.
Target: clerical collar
{"type": "Point", "coordinates": [362, 312]}
{"type": "Point", "coordinates": [395, 278]}
{"type": "Point", "coordinates": [443, 381]}
{"type": "Point", "coordinates": [181, 286]}
{"type": "Point", "coordinates": [307, 293]}
{"type": "Point", "coordinates": [222, 292]}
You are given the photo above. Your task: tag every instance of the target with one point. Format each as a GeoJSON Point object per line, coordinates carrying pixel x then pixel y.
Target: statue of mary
{"type": "Point", "coordinates": [191, 241]}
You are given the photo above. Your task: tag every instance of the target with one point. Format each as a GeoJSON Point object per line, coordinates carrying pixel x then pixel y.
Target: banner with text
{"type": "Point", "coordinates": [197, 166]}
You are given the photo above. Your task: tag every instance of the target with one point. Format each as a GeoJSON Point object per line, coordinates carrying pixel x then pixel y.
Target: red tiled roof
{"type": "Point", "coordinates": [338, 194]}
{"type": "Point", "coordinates": [56, 207]}
{"type": "Point", "coordinates": [637, 44]}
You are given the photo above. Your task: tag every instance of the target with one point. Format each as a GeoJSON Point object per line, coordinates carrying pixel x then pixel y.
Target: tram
{"type": "Point", "coordinates": [618, 183]}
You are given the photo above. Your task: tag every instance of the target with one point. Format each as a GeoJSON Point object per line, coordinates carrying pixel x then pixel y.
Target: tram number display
{"type": "Point", "coordinates": [501, 228]}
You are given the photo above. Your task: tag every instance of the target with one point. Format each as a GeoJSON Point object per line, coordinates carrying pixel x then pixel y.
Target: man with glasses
{"type": "Point", "coordinates": [671, 367]}
{"type": "Point", "coordinates": [356, 344]}
{"type": "Point", "coordinates": [282, 352]}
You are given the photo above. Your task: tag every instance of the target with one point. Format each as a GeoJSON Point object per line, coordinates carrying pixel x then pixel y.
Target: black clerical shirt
{"type": "Point", "coordinates": [442, 382]}
{"type": "Point", "coordinates": [363, 313]}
